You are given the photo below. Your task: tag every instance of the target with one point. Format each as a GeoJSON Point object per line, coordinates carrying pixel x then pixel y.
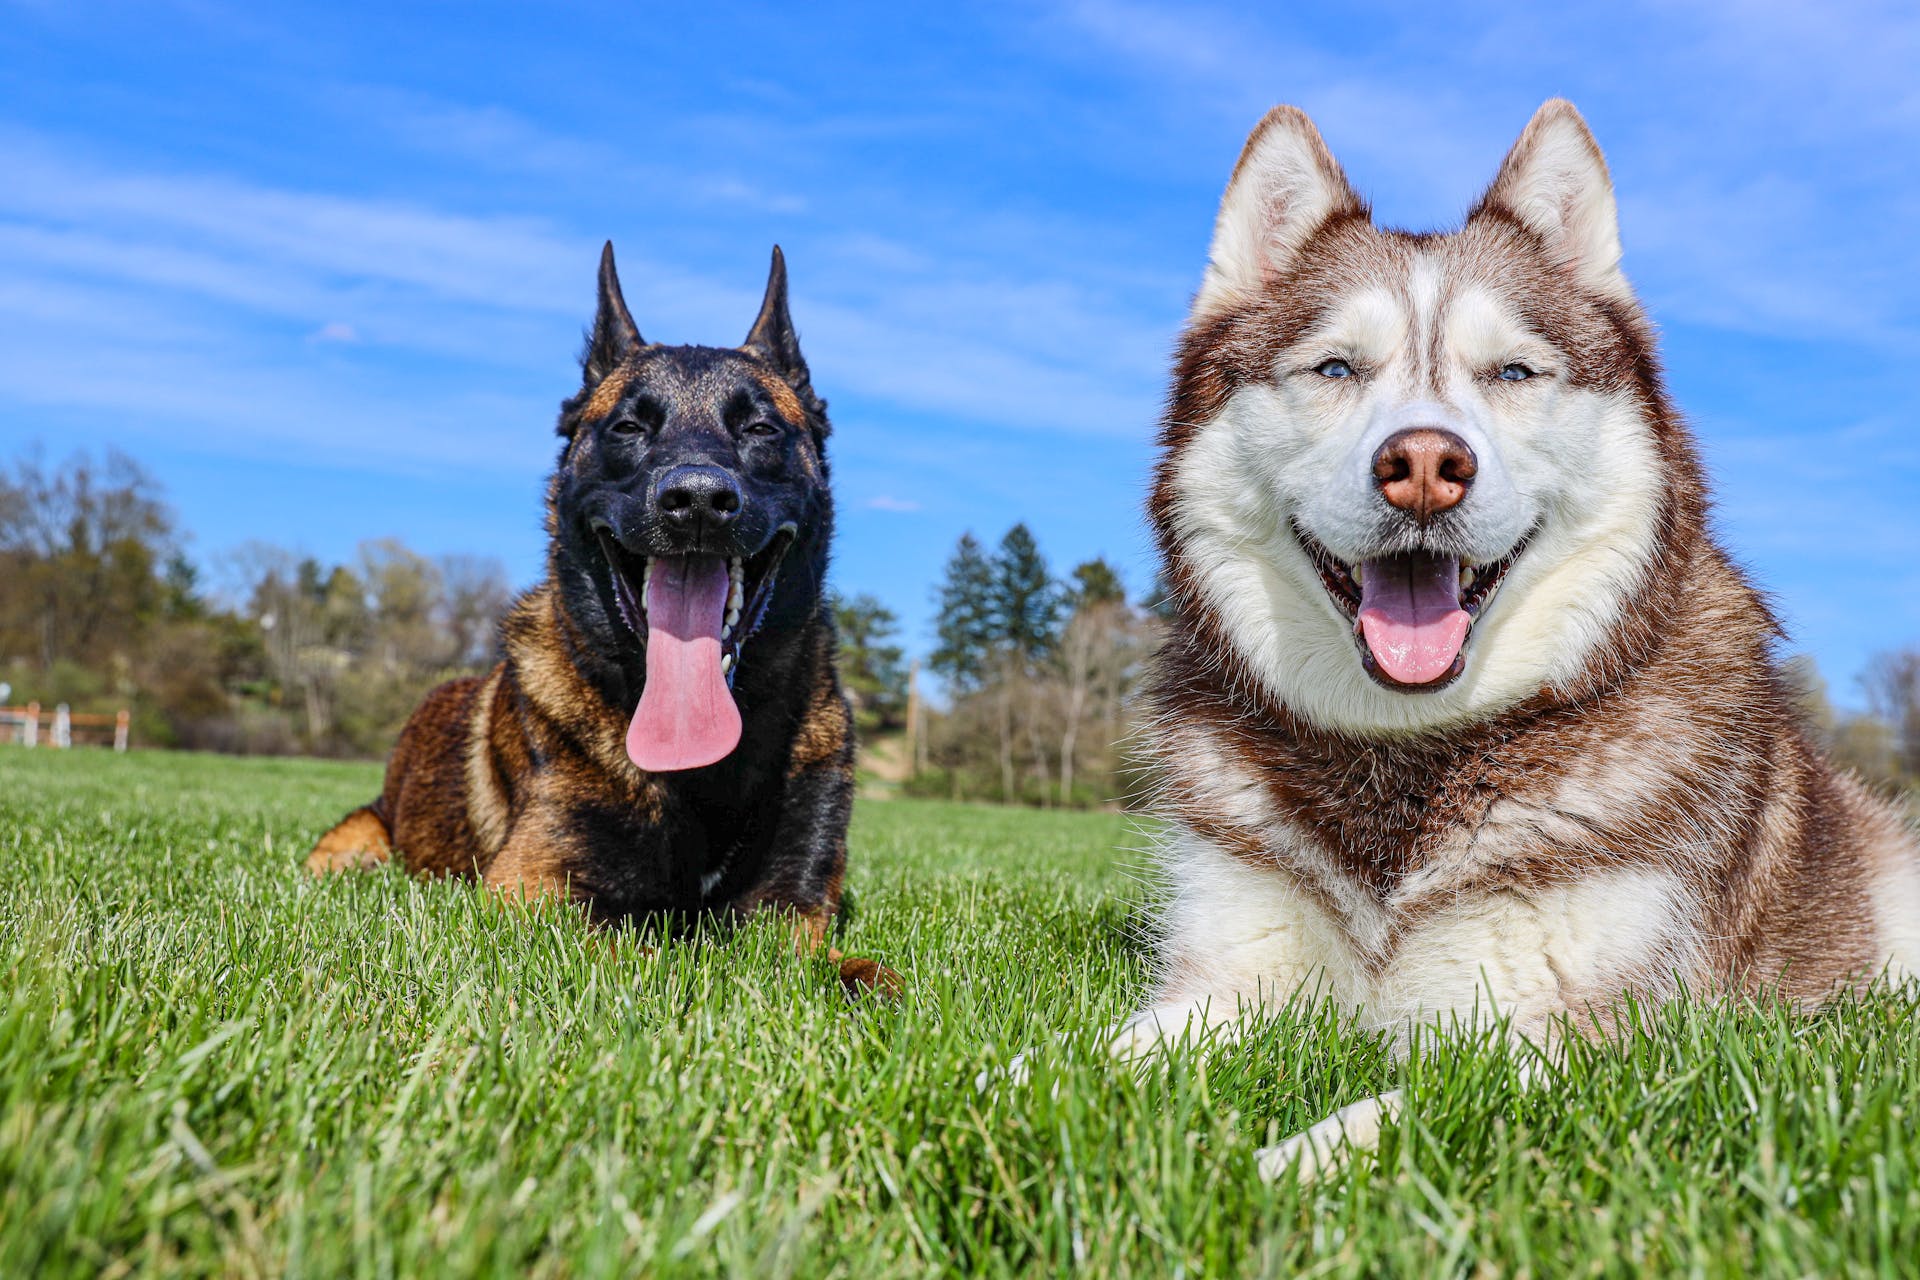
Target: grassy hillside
{"type": "Point", "coordinates": [210, 1066]}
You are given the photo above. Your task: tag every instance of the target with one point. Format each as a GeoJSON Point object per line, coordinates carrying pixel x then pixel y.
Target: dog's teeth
{"type": "Point", "coordinates": [1359, 575]}
{"type": "Point", "coordinates": [733, 616]}
{"type": "Point", "coordinates": [1466, 577]}
{"type": "Point", "coordinates": [726, 632]}
{"type": "Point", "coordinates": [726, 664]}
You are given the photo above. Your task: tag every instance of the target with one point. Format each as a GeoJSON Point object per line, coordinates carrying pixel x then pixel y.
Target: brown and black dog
{"type": "Point", "coordinates": [666, 737]}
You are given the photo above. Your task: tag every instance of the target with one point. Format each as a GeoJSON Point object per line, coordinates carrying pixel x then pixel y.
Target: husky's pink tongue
{"type": "Point", "coordinates": [1411, 617]}
{"type": "Point", "coordinates": [686, 717]}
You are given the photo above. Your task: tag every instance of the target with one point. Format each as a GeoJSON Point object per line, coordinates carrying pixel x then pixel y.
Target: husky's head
{"type": "Point", "coordinates": [1410, 480]}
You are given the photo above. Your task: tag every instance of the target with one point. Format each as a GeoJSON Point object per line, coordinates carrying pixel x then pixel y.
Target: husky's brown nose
{"type": "Point", "coordinates": [1424, 471]}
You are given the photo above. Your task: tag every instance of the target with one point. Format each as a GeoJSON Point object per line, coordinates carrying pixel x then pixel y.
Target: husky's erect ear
{"type": "Point", "coordinates": [772, 337]}
{"type": "Point", "coordinates": [1554, 183]}
{"type": "Point", "coordinates": [1284, 187]}
{"type": "Point", "coordinates": [614, 333]}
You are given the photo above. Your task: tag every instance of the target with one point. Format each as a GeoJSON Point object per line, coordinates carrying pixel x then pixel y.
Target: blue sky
{"type": "Point", "coordinates": [324, 268]}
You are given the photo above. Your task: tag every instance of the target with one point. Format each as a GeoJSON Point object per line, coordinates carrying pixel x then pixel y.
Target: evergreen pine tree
{"type": "Point", "coordinates": [1095, 582]}
{"type": "Point", "coordinates": [1026, 599]}
{"type": "Point", "coordinates": [966, 623]}
{"type": "Point", "coordinates": [873, 670]}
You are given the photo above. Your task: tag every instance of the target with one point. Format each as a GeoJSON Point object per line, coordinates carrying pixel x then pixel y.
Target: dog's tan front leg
{"type": "Point", "coordinates": [529, 869]}
{"type": "Point", "coordinates": [358, 842]}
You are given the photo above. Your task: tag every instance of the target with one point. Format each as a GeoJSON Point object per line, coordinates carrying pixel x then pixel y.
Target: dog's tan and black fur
{"type": "Point", "coordinates": [521, 777]}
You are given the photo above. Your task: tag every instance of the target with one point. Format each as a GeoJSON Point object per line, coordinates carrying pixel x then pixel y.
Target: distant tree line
{"type": "Point", "coordinates": [1882, 743]}
{"type": "Point", "coordinates": [1038, 674]}
{"type": "Point", "coordinates": [101, 608]}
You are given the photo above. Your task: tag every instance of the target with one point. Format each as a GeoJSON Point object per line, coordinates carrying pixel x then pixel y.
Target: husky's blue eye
{"type": "Point", "coordinates": [1334, 369]}
{"type": "Point", "coordinates": [1515, 373]}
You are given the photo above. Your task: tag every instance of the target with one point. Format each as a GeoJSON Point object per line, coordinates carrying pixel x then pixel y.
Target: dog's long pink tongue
{"type": "Point", "coordinates": [1411, 617]}
{"type": "Point", "coordinates": [686, 717]}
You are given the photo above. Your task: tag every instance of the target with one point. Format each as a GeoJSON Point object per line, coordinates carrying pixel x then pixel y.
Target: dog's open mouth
{"type": "Point", "coordinates": [1412, 612]}
{"type": "Point", "coordinates": [695, 614]}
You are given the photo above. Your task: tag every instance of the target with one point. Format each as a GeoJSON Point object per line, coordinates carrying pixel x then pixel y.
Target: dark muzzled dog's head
{"type": "Point", "coordinates": [691, 506]}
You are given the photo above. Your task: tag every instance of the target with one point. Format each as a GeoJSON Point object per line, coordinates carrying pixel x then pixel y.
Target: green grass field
{"type": "Point", "coordinates": [211, 1066]}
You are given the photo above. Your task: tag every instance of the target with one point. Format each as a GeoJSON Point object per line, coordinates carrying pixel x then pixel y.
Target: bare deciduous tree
{"type": "Point", "coordinates": [1892, 682]}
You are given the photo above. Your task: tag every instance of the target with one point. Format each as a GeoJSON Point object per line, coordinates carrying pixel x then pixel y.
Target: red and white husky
{"type": "Point", "coordinates": [1463, 707]}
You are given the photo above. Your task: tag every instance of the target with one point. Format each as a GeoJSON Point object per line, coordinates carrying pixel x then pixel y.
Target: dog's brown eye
{"type": "Point", "coordinates": [626, 427]}
{"type": "Point", "coordinates": [761, 429]}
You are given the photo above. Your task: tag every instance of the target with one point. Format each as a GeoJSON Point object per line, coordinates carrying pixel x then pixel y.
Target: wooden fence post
{"type": "Point", "coordinates": [122, 727]}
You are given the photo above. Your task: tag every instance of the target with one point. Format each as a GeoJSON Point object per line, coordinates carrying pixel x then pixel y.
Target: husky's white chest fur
{"type": "Point", "coordinates": [1463, 711]}
{"type": "Point", "coordinates": [1239, 933]}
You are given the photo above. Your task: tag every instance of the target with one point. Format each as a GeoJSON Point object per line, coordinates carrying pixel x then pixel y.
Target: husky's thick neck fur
{"type": "Point", "coordinates": [1461, 699]}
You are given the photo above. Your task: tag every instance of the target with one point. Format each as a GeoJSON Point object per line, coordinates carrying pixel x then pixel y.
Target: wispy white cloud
{"type": "Point", "coordinates": [1419, 144]}
{"type": "Point", "coordinates": [214, 291]}
{"type": "Point", "coordinates": [492, 137]}
{"type": "Point", "coordinates": [205, 231]}
{"type": "Point", "coordinates": [1728, 183]}
{"type": "Point", "coordinates": [489, 135]}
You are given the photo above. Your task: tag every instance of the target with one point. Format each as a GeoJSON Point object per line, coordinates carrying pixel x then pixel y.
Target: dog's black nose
{"type": "Point", "coordinates": [698, 498]}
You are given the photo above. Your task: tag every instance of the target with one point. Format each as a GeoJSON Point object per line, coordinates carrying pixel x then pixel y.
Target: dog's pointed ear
{"type": "Point", "coordinates": [1554, 183]}
{"type": "Point", "coordinates": [772, 337]}
{"type": "Point", "coordinates": [1285, 186]}
{"type": "Point", "coordinates": [614, 336]}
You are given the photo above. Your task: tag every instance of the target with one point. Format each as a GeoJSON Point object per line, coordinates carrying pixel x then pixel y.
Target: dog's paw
{"type": "Point", "coordinates": [333, 862]}
{"type": "Point", "coordinates": [358, 842]}
{"type": "Point", "coordinates": [1015, 1074]}
{"type": "Point", "coordinates": [1306, 1156]}
{"type": "Point", "coordinates": [1331, 1144]}
{"type": "Point", "coordinates": [862, 977]}
{"type": "Point", "coordinates": [1137, 1039]}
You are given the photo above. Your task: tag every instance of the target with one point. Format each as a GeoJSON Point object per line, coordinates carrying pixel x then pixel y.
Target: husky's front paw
{"type": "Point", "coordinates": [1135, 1040]}
{"type": "Point", "coordinates": [1138, 1038]}
{"type": "Point", "coordinates": [1015, 1073]}
{"type": "Point", "coordinates": [1304, 1156]}
{"type": "Point", "coordinates": [1329, 1145]}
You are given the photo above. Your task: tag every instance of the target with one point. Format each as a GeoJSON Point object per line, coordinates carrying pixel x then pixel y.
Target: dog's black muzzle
{"type": "Point", "coordinates": [686, 509]}
{"type": "Point", "coordinates": [694, 508]}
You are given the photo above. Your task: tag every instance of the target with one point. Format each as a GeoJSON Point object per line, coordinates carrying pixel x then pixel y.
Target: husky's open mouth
{"type": "Point", "coordinates": [1411, 612]}
{"type": "Point", "coordinates": [695, 614]}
